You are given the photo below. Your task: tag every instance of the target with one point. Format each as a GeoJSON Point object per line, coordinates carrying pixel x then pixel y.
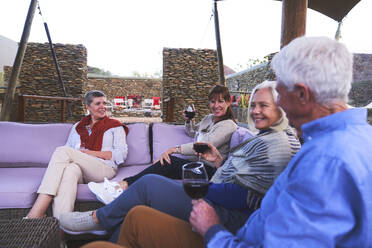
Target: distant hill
{"type": "Point", "coordinates": [8, 50]}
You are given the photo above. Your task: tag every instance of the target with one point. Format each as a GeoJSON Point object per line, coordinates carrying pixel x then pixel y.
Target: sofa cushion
{"type": "Point", "coordinates": [168, 135]}
{"type": "Point", "coordinates": [18, 186]}
{"type": "Point", "coordinates": [239, 136]}
{"type": "Point", "coordinates": [138, 141]}
{"type": "Point", "coordinates": [30, 145]}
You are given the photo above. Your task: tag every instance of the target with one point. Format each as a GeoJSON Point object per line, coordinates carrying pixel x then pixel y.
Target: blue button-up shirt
{"type": "Point", "coordinates": [324, 196]}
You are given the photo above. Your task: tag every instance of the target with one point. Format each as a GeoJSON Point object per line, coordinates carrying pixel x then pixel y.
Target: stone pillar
{"type": "Point", "coordinates": [39, 77]}
{"type": "Point", "coordinates": [188, 74]}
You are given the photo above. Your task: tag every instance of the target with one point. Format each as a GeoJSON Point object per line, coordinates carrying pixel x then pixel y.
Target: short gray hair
{"type": "Point", "coordinates": [88, 98]}
{"type": "Point", "coordinates": [324, 65]}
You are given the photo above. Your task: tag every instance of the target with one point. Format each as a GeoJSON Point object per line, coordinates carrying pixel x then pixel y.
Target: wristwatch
{"type": "Point", "coordinates": [178, 149]}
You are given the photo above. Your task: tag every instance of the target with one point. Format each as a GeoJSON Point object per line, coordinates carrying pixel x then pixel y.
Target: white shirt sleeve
{"type": "Point", "coordinates": [73, 140]}
{"type": "Point", "coordinates": [114, 140]}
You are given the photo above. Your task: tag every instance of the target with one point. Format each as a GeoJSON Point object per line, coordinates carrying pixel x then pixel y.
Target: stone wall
{"type": "Point", "coordinates": [188, 74]}
{"type": "Point", "coordinates": [121, 86]}
{"type": "Point", "coordinates": [361, 91]}
{"type": "Point", "coordinates": [361, 94]}
{"type": "Point", "coordinates": [38, 76]}
{"type": "Point", "coordinates": [246, 80]}
{"type": "Point", "coordinates": [362, 67]}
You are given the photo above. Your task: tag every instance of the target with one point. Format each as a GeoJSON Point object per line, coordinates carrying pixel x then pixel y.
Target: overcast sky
{"type": "Point", "coordinates": [125, 36]}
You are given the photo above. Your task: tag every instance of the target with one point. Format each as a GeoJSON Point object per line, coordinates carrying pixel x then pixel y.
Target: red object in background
{"type": "Point", "coordinates": [119, 97]}
{"type": "Point", "coordinates": [156, 100]}
{"type": "Point", "coordinates": [232, 98]}
{"type": "Point", "coordinates": [136, 100]}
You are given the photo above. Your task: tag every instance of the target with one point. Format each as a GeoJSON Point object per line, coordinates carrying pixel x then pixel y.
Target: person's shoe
{"type": "Point", "coordinates": [113, 188]}
{"type": "Point", "coordinates": [79, 223]}
{"type": "Point", "coordinates": [105, 192]}
{"type": "Point", "coordinates": [99, 190]}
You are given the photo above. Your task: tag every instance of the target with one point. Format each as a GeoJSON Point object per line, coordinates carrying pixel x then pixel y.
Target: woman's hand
{"type": "Point", "coordinates": [165, 156]}
{"type": "Point", "coordinates": [212, 155]}
{"type": "Point", "coordinates": [203, 216]}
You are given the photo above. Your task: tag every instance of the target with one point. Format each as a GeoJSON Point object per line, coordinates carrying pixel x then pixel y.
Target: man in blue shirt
{"type": "Point", "coordinates": [324, 196]}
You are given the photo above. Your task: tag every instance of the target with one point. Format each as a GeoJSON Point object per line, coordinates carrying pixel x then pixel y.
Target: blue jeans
{"type": "Point", "coordinates": [165, 195]}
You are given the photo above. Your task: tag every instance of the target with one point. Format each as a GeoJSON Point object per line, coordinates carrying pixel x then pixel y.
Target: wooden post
{"type": "Point", "coordinates": [221, 72]}
{"type": "Point", "coordinates": [21, 108]}
{"type": "Point", "coordinates": [63, 109]}
{"type": "Point", "coordinates": [293, 20]}
{"type": "Point", "coordinates": [170, 110]}
{"type": "Point", "coordinates": [9, 95]}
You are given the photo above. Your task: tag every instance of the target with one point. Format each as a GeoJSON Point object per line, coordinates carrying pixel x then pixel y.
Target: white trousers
{"type": "Point", "coordinates": [66, 169]}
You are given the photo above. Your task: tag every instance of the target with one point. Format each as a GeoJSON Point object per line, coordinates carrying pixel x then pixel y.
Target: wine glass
{"type": "Point", "coordinates": [195, 180]}
{"type": "Point", "coordinates": [190, 111]}
{"type": "Point", "coordinates": [199, 145]}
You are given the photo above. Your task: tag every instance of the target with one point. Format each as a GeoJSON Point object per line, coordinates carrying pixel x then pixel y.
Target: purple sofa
{"type": "Point", "coordinates": [25, 150]}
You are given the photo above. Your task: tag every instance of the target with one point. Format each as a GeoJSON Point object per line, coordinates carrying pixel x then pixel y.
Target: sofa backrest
{"type": "Point", "coordinates": [165, 136]}
{"type": "Point", "coordinates": [138, 141]}
{"type": "Point", "coordinates": [30, 145]}
{"type": "Point", "coordinates": [240, 134]}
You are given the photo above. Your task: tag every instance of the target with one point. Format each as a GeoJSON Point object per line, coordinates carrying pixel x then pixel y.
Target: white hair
{"type": "Point", "coordinates": [264, 85]}
{"type": "Point", "coordinates": [324, 65]}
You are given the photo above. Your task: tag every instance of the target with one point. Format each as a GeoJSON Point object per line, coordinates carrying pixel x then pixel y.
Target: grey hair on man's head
{"type": "Point", "coordinates": [88, 97]}
{"type": "Point", "coordinates": [324, 65]}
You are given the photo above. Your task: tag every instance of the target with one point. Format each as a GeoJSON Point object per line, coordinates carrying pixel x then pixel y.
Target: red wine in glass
{"type": "Point", "coordinates": [200, 147]}
{"type": "Point", "coordinates": [190, 111]}
{"type": "Point", "coordinates": [195, 180]}
{"type": "Point", "coordinates": [195, 189]}
{"type": "Point", "coordinates": [190, 115]}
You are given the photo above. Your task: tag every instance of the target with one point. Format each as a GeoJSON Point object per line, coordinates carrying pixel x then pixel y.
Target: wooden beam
{"type": "Point", "coordinates": [63, 109]}
{"type": "Point", "coordinates": [58, 98]}
{"type": "Point", "coordinates": [21, 108]}
{"type": "Point", "coordinates": [22, 104]}
{"type": "Point", "coordinates": [293, 20]}
{"type": "Point", "coordinates": [170, 109]}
